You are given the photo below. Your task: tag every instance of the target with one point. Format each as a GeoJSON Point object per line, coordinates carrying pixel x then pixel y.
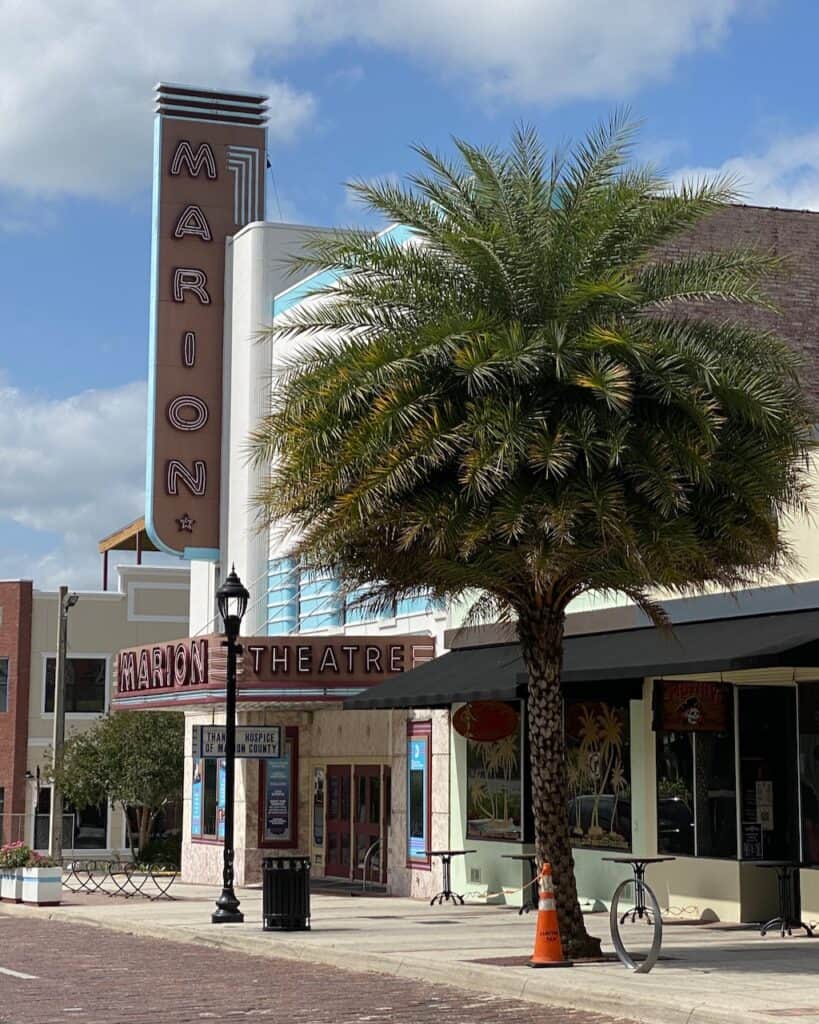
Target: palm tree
{"type": "Point", "coordinates": [526, 402]}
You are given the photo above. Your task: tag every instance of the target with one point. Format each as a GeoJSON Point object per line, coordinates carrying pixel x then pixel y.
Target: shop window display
{"type": "Point", "coordinates": [495, 785]}
{"type": "Point", "coordinates": [696, 777]}
{"type": "Point", "coordinates": [419, 813]}
{"type": "Point", "coordinates": [208, 799]}
{"type": "Point", "coordinates": [599, 774]}
{"type": "Point", "coordinates": [809, 769]}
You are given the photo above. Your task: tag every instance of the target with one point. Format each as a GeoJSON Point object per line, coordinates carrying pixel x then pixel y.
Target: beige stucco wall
{"type": "Point", "coordinates": [150, 604]}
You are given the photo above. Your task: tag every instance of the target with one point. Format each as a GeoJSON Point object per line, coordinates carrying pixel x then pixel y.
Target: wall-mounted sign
{"type": "Point", "coordinates": [278, 825]}
{"type": "Point", "coordinates": [209, 169]}
{"type": "Point", "coordinates": [752, 841]}
{"type": "Point", "coordinates": [220, 801]}
{"type": "Point", "coordinates": [196, 799]}
{"type": "Point", "coordinates": [764, 804]}
{"type": "Point", "coordinates": [252, 741]}
{"type": "Point", "coordinates": [270, 668]}
{"type": "Point", "coordinates": [418, 810]}
{"type": "Point", "coordinates": [318, 807]}
{"type": "Point", "coordinates": [693, 706]}
{"type": "Point", "coordinates": [486, 720]}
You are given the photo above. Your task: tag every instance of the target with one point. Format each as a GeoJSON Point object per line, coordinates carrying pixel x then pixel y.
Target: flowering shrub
{"type": "Point", "coordinates": [19, 855]}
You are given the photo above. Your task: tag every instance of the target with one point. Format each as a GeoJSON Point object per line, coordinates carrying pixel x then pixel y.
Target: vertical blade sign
{"type": "Point", "coordinates": [209, 161]}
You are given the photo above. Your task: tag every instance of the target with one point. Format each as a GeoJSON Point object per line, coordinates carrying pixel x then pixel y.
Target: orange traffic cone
{"type": "Point", "coordinates": [548, 950]}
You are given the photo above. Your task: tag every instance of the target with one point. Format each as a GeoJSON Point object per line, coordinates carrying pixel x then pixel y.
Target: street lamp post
{"type": "Point", "coordinates": [65, 601]}
{"type": "Point", "coordinates": [232, 598]}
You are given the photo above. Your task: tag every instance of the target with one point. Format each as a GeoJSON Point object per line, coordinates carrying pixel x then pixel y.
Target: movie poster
{"type": "Point", "coordinates": [277, 810]}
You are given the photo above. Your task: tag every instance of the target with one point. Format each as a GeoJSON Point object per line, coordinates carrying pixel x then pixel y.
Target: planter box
{"type": "Point", "coordinates": [11, 885]}
{"type": "Point", "coordinates": [42, 886]}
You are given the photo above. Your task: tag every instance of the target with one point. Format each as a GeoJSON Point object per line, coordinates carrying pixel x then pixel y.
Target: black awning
{"type": "Point", "coordinates": [715, 645]}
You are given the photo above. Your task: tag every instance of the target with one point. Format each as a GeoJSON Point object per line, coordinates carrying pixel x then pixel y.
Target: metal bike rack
{"type": "Point", "coordinates": [128, 879]}
{"type": "Point", "coordinates": [374, 845]}
{"type": "Point", "coordinates": [650, 911]}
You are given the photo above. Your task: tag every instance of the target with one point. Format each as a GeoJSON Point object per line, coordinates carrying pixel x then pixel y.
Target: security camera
{"type": "Point", "coordinates": [71, 600]}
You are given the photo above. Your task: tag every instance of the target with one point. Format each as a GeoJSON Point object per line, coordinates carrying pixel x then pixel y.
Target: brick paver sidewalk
{"type": "Point", "coordinates": [95, 976]}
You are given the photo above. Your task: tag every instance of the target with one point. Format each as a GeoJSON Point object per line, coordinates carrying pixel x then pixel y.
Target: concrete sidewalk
{"type": "Point", "coordinates": [712, 974]}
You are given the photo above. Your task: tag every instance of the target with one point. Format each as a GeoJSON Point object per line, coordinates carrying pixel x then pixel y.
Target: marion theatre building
{"type": "Point", "coordinates": [311, 777]}
{"type": "Point", "coordinates": [380, 738]}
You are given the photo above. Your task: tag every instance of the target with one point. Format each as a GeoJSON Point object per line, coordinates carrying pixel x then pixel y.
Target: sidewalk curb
{"type": "Point", "coordinates": [564, 990]}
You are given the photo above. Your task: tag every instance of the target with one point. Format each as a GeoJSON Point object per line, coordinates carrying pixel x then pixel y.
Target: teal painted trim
{"type": "Point", "coordinates": [202, 554]}
{"type": "Point", "coordinates": [150, 465]}
{"type": "Point", "coordinates": [297, 293]}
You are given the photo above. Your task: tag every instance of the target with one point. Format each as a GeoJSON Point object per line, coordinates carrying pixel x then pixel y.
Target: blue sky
{"type": "Point", "coordinates": [721, 84]}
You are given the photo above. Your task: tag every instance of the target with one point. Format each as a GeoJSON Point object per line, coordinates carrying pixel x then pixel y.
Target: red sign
{"type": "Point", "coordinates": [693, 706]}
{"type": "Point", "coordinates": [486, 720]}
{"type": "Point", "coordinates": [209, 182]}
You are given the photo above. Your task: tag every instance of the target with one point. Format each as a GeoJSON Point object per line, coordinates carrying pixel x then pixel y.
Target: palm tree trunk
{"type": "Point", "coordinates": [144, 827]}
{"type": "Point", "coordinates": [541, 636]}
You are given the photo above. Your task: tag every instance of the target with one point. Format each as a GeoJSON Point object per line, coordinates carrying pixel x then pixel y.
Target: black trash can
{"type": "Point", "coordinates": [286, 894]}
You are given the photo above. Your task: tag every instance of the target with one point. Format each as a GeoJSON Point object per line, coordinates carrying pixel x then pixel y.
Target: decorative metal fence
{"type": "Point", "coordinates": [119, 878]}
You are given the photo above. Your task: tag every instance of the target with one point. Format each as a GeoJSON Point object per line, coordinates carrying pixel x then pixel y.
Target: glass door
{"type": "Point", "coordinates": [337, 824]}
{"type": "Point", "coordinates": [368, 821]}
{"type": "Point", "coordinates": [768, 794]}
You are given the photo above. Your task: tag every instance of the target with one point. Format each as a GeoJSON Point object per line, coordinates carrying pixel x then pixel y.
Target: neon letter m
{"type": "Point", "coordinates": [194, 161]}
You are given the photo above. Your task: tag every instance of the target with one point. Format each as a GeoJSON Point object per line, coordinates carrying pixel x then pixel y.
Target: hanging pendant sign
{"type": "Point", "coordinates": [486, 721]}
{"type": "Point", "coordinates": [209, 161]}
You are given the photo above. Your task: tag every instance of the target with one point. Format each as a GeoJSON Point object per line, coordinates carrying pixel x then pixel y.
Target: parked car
{"type": "Point", "coordinates": [675, 821]}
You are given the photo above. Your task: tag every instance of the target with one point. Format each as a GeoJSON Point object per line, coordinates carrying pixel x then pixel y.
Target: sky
{"type": "Point", "coordinates": [720, 85]}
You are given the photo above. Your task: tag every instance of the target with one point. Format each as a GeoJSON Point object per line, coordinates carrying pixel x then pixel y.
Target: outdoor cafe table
{"type": "Point", "coordinates": [638, 866]}
{"type": "Point", "coordinates": [790, 900]}
{"type": "Point", "coordinates": [533, 889]}
{"type": "Point", "coordinates": [446, 894]}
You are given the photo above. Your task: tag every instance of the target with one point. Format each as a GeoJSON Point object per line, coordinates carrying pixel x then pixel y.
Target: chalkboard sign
{"type": "Point", "coordinates": [751, 840]}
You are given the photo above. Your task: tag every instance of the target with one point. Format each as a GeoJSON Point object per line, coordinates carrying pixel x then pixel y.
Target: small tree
{"type": "Point", "coordinates": [529, 402]}
{"type": "Point", "coordinates": [133, 758]}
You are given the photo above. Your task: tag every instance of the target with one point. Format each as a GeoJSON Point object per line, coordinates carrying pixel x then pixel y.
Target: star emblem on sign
{"type": "Point", "coordinates": [186, 524]}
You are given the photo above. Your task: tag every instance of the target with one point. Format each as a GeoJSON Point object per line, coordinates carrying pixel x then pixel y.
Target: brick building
{"type": "Point", "coordinates": [15, 662]}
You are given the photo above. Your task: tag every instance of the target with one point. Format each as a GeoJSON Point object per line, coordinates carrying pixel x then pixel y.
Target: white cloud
{"type": "Point", "coordinates": [76, 76]}
{"type": "Point", "coordinates": [72, 466]}
{"type": "Point", "coordinates": [543, 51]}
{"type": "Point", "coordinates": [785, 174]}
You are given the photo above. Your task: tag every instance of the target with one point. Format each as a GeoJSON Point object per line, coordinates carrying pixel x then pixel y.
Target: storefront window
{"type": "Point", "coordinates": [696, 777]}
{"type": "Point", "coordinates": [598, 753]}
{"type": "Point", "coordinates": [85, 828]}
{"type": "Point", "coordinates": [84, 685]}
{"type": "Point", "coordinates": [809, 769]}
{"type": "Point", "coordinates": [419, 735]}
{"type": "Point", "coordinates": [208, 799]}
{"type": "Point", "coordinates": [4, 684]}
{"type": "Point", "coordinates": [494, 786]}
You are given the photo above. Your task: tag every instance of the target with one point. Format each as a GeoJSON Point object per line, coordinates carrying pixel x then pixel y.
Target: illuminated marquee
{"type": "Point", "coordinates": [208, 183]}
